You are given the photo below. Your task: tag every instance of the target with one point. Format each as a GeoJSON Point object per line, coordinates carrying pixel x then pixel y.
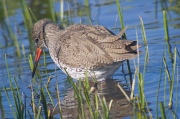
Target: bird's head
{"type": "Point", "coordinates": [39, 37]}
{"type": "Point", "coordinates": [38, 33]}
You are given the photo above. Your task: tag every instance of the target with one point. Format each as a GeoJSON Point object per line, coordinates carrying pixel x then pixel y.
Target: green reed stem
{"type": "Point", "coordinates": [143, 31]}
{"type": "Point", "coordinates": [78, 95]}
{"type": "Point", "coordinates": [105, 108]}
{"type": "Point", "coordinates": [23, 52]}
{"type": "Point", "coordinates": [166, 69]}
{"type": "Point", "coordinates": [69, 16]}
{"type": "Point", "coordinates": [82, 94]}
{"type": "Point", "coordinates": [96, 104]}
{"type": "Point", "coordinates": [39, 112]}
{"type": "Point", "coordinates": [33, 104]}
{"type": "Point", "coordinates": [157, 94]}
{"type": "Point", "coordinates": [14, 95]}
{"type": "Point", "coordinates": [31, 62]}
{"type": "Point", "coordinates": [17, 100]}
{"type": "Point", "coordinates": [22, 112]}
{"type": "Point", "coordinates": [88, 11]}
{"type": "Point", "coordinates": [146, 60]}
{"type": "Point", "coordinates": [43, 100]}
{"type": "Point", "coordinates": [174, 64]}
{"type": "Point", "coordinates": [165, 83]}
{"type": "Point", "coordinates": [120, 13]}
{"type": "Point", "coordinates": [141, 90]}
{"type": "Point", "coordinates": [86, 81]}
{"type": "Point", "coordinates": [61, 9]}
{"type": "Point", "coordinates": [110, 105]}
{"type": "Point", "coordinates": [87, 95]}
{"type": "Point", "coordinates": [145, 42]}
{"type": "Point", "coordinates": [86, 3]}
{"type": "Point", "coordinates": [50, 97]}
{"type": "Point", "coordinates": [17, 88]}
{"type": "Point", "coordinates": [165, 25]}
{"type": "Point", "coordinates": [9, 29]}
{"type": "Point", "coordinates": [59, 101]}
{"type": "Point", "coordinates": [5, 9]}
{"type": "Point", "coordinates": [26, 14]}
{"type": "Point", "coordinates": [162, 110]}
{"type": "Point", "coordinates": [24, 98]}
{"type": "Point", "coordinates": [11, 106]}
{"type": "Point", "coordinates": [87, 98]}
{"type": "Point", "coordinates": [171, 82]}
{"type": "Point", "coordinates": [7, 68]}
{"type": "Point", "coordinates": [177, 83]}
{"type": "Point", "coordinates": [51, 7]}
{"type": "Point", "coordinates": [32, 14]}
{"type": "Point", "coordinates": [173, 76]}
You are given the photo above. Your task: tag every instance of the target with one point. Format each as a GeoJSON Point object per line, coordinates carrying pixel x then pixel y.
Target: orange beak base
{"type": "Point", "coordinates": [37, 57]}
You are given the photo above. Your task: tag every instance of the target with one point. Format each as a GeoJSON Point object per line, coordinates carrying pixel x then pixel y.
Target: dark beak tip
{"type": "Point", "coordinates": [34, 69]}
{"type": "Point", "coordinates": [33, 73]}
{"type": "Point", "coordinates": [38, 54]}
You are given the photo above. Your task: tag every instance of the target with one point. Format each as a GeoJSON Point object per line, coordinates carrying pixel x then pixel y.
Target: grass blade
{"type": "Point", "coordinates": [43, 100]}
{"type": "Point", "coordinates": [162, 111]}
{"type": "Point", "coordinates": [27, 17]}
{"type": "Point", "coordinates": [165, 25]}
{"type": "Point", "coordinates": [143, 31]}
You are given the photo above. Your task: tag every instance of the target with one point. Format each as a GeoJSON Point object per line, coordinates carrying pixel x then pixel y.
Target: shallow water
{"type": "Point", "coordinates": [102, 12]}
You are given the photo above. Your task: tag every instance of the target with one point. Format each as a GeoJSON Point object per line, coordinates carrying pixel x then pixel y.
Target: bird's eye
{"type": "Point", "coordinates": [37, 40]}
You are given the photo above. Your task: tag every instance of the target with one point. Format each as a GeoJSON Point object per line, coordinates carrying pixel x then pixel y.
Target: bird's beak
{"type": "Point", "coordinates": [37, 57]}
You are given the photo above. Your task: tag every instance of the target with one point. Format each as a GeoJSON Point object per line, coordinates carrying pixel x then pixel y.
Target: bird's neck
{"type": "Point", "coordinates": [51, 34]}
{"type": "Point", "coordinates": [52, 42]}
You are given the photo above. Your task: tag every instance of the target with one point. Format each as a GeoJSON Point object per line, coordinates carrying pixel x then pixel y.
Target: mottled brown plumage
{"type": "Point", "coordinates": [80, 48]}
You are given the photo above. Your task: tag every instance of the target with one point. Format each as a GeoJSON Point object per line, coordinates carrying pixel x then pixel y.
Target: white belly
{"type": "Point", "coordinates": [99, 73]}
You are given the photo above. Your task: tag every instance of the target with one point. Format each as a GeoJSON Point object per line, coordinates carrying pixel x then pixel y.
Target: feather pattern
{"type": "Point", "coordinates": [92, 47]}
{"type": "Point", "coordinates": [87, 46]}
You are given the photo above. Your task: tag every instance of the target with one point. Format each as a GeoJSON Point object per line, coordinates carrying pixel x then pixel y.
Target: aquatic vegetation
{"type": "Point", "coordinates": [47, 104]}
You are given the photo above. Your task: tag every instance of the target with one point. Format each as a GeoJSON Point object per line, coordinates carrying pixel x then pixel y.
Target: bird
{"type": "Point", "coordinates": [82, 51]}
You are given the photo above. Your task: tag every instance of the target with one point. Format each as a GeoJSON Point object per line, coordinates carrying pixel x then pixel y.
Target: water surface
{"type": "Point", "coordinates": [101, 12]}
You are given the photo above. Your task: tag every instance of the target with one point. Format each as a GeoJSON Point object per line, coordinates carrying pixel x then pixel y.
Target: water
{"type": "Point", "coordinates": [102, 12]}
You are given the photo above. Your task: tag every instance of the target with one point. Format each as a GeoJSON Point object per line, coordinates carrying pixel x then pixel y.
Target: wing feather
{"type": "Point", "coordinates": [91, 47]}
